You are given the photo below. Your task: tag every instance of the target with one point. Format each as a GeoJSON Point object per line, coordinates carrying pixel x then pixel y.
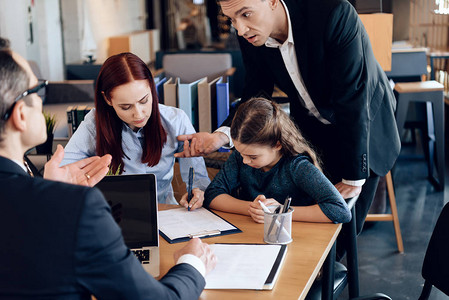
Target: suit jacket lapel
{"type": "Point", "coordinates": [9, 167]}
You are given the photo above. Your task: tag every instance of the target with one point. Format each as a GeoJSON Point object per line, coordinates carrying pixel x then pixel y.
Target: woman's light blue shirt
{"type": "Point", "coordinates": [175, 121]}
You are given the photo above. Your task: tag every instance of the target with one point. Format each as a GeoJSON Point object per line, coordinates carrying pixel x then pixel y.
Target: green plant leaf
{"type": "Point", "coordinates": [110, 173]}
{"type": "Point", "coordinates": [50, 122]}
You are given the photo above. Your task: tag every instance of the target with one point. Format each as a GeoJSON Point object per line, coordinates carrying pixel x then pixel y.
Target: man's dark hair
{"type": "Point", "coordinates": [13, 81]}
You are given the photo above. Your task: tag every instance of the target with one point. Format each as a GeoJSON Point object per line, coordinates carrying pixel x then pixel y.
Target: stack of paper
{"type": "Point", "coordinates": [246, 266]}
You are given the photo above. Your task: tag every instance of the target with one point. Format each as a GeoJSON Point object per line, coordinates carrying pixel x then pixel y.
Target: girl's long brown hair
{"type": "Point", "coordinates": [117, 70]}
{"type": "Point", "coordinates": [263, 122]}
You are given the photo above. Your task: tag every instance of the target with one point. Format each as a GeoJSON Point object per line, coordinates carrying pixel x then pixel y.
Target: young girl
{"type": "Point", "coordinates": [139, 133]}
{"type": "Point", "coordinates": [273, 161]}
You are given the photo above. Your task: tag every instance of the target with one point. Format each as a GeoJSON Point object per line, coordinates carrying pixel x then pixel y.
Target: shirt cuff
{"type": "Point", "coordinates": [354, 182]}
{"type": "Point", "coordinates": [194, 261]}
{"type": "Point", "coordinates": [226, 130]}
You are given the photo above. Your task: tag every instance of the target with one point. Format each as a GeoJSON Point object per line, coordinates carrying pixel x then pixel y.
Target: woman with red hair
{"type": "Point", "coordinates": [139, 133]}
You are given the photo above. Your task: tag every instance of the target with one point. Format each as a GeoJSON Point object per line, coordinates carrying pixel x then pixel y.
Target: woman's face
{"type": "Point", "coordinates": [132, 102]}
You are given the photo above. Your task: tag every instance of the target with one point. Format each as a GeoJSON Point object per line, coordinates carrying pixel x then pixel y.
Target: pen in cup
{"type": "Point", "coordinates": [285, 208]}
{"type": "Point", "coordinates": [276, 211]}
{"type": "Point", "coordinates": [189, 187]}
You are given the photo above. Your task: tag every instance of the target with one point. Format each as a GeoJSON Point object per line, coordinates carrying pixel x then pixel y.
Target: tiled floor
{"type": "Point", "coordinates": [381, 267]}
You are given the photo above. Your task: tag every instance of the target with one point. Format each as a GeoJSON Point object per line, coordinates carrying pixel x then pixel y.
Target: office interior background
{"type": "Point", "coordinates": [59, 33]}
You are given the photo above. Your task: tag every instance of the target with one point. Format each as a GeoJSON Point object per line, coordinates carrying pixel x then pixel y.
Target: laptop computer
{"type": "Point", "coordinates": [133, 201]}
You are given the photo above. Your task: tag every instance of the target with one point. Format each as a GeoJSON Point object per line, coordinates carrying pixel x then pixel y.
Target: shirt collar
{"type": "Point", "coordinates": [20, 164]}
{"type": "Point", "coordinates": [272, 43]}
{"type": "Point", "coordinates": [138, 133]}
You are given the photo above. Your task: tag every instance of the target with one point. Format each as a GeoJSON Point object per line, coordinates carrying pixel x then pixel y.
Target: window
{"type": "Point", "coordinates": [442, 7]}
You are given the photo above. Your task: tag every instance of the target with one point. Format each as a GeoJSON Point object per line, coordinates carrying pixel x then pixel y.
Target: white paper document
{"type": "Point", "coordinates": [180, 223]}
{"type": "Point", "coordinates": [244, 266]}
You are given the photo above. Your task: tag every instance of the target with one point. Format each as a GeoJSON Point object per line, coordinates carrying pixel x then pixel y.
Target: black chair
{"type": "Point", "coordinates": [342, 275]}
{"type": "Point", "coordinates": [435, 269]}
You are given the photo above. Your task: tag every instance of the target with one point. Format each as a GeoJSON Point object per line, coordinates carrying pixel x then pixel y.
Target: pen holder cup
{"type": "Point", "coordinates": [277, 228]}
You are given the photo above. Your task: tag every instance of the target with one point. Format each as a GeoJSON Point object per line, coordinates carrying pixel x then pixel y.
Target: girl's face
{"type": "Point", "coordinates": [132, 103]}
{"type": "Point", "coordinates": [259, 156]}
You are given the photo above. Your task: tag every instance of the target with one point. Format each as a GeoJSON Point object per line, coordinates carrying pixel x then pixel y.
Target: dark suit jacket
{"type": "Point", "coordinates": [345, 82]}
{"type": "Point", "coordinates": [435, 268]}
{"type": "Point", "coordinates": [59, 241]}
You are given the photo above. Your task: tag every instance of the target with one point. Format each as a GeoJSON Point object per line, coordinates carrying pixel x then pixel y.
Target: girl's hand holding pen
{"type": "Point", "coordinates": [197, 199]}
{"type": "Point", "coordinates": [256, 211]}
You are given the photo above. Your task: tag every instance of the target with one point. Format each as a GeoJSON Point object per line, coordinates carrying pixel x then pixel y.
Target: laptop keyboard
{"type": "Point", "coordinates": [142, 255]}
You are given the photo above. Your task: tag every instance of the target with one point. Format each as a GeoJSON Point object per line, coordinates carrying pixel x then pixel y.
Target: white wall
{"type": "Point", "coordinates": [50, 39]}
{"type": "Point", "coordinates": [13, 24]}
{"type": "Point", "coordinates": [71, 12]}
{"type": "Point", "coordinates": [46, 46]}
{"type": "Point", "coordinates": [103, 18]}
{"type": "Point", "coordinates": [114, 17]}
{"type": "Point", "coordinates": [106, 17]}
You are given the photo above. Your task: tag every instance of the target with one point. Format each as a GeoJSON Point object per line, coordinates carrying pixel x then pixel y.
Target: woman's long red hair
{"type": "Point", "coordinates": [117, 70]}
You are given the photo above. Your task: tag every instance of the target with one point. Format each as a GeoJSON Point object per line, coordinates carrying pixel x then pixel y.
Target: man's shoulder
{"type": "Point", "coordinates": [311, 8]}
{"type": "Point", "coordinates": [56, 191]}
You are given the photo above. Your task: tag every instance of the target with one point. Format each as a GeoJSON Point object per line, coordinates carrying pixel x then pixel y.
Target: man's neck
{"type": "Point", "coordinates": [12, 148]}
{"type": "Point", "coordinates": [281, 27]}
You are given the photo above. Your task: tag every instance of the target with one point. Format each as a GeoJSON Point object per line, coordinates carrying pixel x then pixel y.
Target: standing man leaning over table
{"type": "Point", "coordinates": [59, 240]}
{"type": "Point", "coordinates": [319, 54]}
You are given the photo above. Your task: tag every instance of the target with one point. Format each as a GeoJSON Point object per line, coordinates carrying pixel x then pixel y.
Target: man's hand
{"type": "Point", "coordinates": [348, 191]}
{"type": "Point", "coordinates": [201, 250]}
{"type": "Point", "coordinates": [201, 143]}
{"type": "Point", "coordinates": [195, 202]}
{"type": "Point", "coordinates": [256, 211]}
{"type": "Point", "coordinates": [88, 171]}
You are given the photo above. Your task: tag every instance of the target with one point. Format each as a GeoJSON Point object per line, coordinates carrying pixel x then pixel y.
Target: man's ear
{"type": "Point", "coordinates": [19, 116]}
{"type": "Point", "coordinates": [106, 98]}
{"type": "Point", "coordinates": [273, 4]}
{"type": "Point", "coordinates": [278, 146]}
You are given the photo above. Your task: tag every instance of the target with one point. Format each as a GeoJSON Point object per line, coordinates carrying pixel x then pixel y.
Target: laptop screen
{"type": "Point", "coordinates": [133, 201]}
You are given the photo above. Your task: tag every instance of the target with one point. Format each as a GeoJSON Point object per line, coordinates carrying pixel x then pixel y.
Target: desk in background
{"type": "Point", "coordinates": [305, 256]}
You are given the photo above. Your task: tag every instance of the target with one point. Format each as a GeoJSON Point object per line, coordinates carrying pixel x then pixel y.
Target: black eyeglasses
{"type": "Point", "coordinates": [41, 84]}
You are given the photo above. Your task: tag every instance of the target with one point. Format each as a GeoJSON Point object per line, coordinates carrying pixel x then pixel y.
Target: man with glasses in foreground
{"type": "Point", "coordinates": [59, 240]}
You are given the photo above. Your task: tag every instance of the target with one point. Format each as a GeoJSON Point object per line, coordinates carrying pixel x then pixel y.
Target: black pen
{"type": "Point", "coordinates": [287, 202]}
{"type": "Point", "coordinates": [276, 211]}
{"type": "Point", "coordinates": [189, 186]}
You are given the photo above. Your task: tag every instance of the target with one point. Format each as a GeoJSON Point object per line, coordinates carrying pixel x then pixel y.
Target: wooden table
{"type": "Point", "coordinates": [305, 256]}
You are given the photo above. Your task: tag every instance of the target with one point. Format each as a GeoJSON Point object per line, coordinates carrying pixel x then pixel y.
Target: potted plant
{"type": "Point", "coordinates": [50, 123]}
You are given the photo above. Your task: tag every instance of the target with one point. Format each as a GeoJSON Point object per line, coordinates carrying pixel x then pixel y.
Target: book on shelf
{"type": "Point", "coordinates": [170, 92]}
{"type": "Point", "coordinates": [207, 99]}
{"type": "Point", "coordinates": [222, 100]}
{"type": "Point", "coordinates": [75, 115]}
{"type": "Point", "coordinates": [188, 100]}
{"type": "Point", "coordinates": [69, 120]}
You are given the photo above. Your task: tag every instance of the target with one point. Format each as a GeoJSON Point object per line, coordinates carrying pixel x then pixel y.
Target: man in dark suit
{"type": "Point", "coordinates": [59, 240]}
{"type": "Point", "coordinates": [319, 54]}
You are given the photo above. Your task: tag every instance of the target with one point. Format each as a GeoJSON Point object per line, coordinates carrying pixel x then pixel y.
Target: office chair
{"type": "Point", "coordinates": [343, 275]}
{"type": "Point", "coordinates": [193, 66]}
{"type": "Point", "coordinates": [435, 269]}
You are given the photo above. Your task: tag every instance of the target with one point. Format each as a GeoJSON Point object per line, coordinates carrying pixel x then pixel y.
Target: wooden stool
{"type": "Point", "coordinates": [390, 217]}
{"type": "Point", "coordinates": [430, 92]}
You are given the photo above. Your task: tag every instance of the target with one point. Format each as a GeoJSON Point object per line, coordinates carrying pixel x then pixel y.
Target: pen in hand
{"type": "Point", "coordinates": [189, 187]}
